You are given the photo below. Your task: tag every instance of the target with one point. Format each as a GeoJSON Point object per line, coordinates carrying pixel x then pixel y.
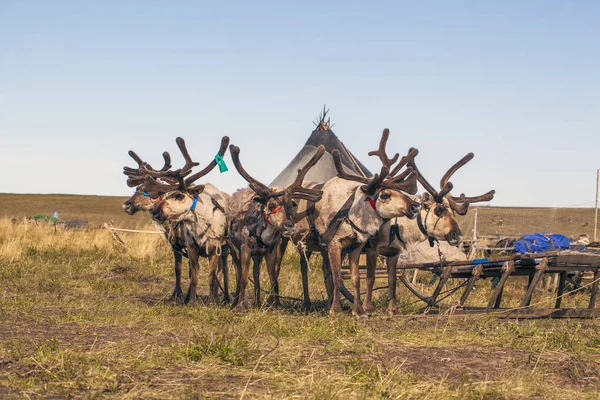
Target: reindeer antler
{"type": "Point", "coordinates": [294, 191]}
{"type": "Point", "coordinates": [381, 153]}
{"type": "Point", "coordinates": [406, 181]}
{"type": "Point", "coordinates": [438, 196]}
{"type": "Point", "coordinates": [459, 204]}
{"type": "Point", "coordinates": [176, 180]}
{"type": "Point", "coordinates": [258, 187]}
{"type": "Point", "coordinates": [137, 175]}
{"type": "Point", "coordinates": [455, 168]}
{"type": "Point", "coordinates": [212, 164]}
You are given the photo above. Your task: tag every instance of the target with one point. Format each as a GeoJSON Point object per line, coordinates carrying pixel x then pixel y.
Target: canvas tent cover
{"type": "Point", "coordinates": [324, 170]}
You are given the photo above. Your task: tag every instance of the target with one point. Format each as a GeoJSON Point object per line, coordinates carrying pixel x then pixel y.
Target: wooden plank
{"type": "Point", "coordinates": [561, 289]}
{"type": "Point", "coordinates": [533, 313]}
{"type": "Point", "coordinates": [507, 270]}
{"type": "Point", "coordinates": [443, 279]}
{"type": "Point", "coordinates": [540, 271]}
{"type": "Point", "coordinates": [592, 304]}
{"type": "Point", "coordinates": [471, 284]}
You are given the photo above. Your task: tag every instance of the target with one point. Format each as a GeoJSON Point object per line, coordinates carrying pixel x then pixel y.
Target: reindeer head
{"type": "Point", "coordinates": [141, 200]}
{"type": "Point", "coordinates": [438, 208]}
{"type": "Point", "coordinates": [278, 207]}
{"type": "Point", "coordinates": [174, 190]}
{"type": "Point", "coordinates": [385, 192]}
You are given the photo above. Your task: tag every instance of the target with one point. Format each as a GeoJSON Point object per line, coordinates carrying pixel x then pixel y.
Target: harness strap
{"type": "Point", "coordinates": [423, 230]}
{"type": "Point", "coordinates": [395, 233]}
{"type": "Point", "coordinates": [337, 220]}
{"type": "Point", "coordinates": [421, 226]}
{"type": "Point", "coordinates": [353, 225]}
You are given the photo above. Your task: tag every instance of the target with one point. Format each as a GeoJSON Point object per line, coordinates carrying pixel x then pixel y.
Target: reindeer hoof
{"type": "Point", "coordinates": [306, 307]}
{"type": "Point", "coordinates": [369, 307]}
{"type": "Point", "coordinates": [392, 312]}
{"type": "Point", "coordinates": [359, 312]}
{"type": "Point", "coordinates": [335, 308]}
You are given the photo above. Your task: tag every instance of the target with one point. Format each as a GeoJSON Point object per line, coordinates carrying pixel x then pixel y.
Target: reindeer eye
{"type": "Point", "coordinates": [272, 205]}
{"type": "Point", "coordinates": [179, 196]}
{"type": "Point", "coordinates": [294, 203]}
{"type": "Point", "coordinates": [439, 211]}
{"type": "Point", "coordinates": [385, 195]}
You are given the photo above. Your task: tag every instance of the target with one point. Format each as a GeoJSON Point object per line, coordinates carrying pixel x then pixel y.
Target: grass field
{"type": "Point", "coordinates": [81, 317]}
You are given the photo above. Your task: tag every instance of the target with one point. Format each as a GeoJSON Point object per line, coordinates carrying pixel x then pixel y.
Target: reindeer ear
{"type": "Point", "coordinates": [259, 199]}
{"type": "Point", "coordinates": [196, 190]}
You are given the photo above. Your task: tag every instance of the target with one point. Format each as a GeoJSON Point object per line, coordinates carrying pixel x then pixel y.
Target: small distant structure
{"type": "Point", "coordinates": [77, 224]}
{"type": "Point", "coordinates": [42, 218]}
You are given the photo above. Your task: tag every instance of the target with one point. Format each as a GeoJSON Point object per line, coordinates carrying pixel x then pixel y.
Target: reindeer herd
{"type": "Point", "coordinates": [347, 215]}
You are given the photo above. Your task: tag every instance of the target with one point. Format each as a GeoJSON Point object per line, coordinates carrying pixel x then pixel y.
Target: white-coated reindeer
{"type": "Point", "coordinates": [194, 216]}
{"type": "Point", "coordinates": [435, 222]}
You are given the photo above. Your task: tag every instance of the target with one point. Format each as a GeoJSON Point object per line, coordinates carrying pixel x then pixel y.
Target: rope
{"type": "Point", "coordinates": [110, 228]}
{"type": "Point", "coordinates": [269, 293]}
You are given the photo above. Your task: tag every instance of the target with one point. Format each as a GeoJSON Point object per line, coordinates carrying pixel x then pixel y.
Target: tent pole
{"type": "Point", "coordinates": [596, 213]}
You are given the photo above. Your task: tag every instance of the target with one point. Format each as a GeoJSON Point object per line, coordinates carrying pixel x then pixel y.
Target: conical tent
{"type": "Point", "coordinates": [324, 170]}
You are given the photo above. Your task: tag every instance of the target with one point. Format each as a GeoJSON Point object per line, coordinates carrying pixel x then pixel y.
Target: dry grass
{"type": "Point", "coordinates": [81, 317]}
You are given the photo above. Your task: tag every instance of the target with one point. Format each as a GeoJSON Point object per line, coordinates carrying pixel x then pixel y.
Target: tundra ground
{"type": "Point", "coordinates": [81, 317]}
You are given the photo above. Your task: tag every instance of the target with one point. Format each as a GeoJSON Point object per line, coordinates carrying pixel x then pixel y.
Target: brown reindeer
{"type": "Point", "coordinates": [435, 222]}
{"type": "Point", "coordinates": [194, 216]}
{"type": "Point", "coordinates": [261, 220]}
{"type": "Point", "coordinates": [350, 213]}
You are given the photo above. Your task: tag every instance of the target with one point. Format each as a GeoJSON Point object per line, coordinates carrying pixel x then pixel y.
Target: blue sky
{"type": "Point", "coordinates": [516, 82]}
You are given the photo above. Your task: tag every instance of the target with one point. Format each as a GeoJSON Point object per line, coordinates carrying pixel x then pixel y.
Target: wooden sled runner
{"type": "Point", "coordinates": [565, 263]}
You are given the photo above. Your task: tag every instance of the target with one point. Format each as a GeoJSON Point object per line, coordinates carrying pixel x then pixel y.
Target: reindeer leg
{"type": "Point", "coordinates": [306, 304]}
{"type": "Point", "coordinates": [327, 277]}
{"type": "Point", "coordinates": [225, 270]}
{"type": "Point", "coordinates": [238, 276]}
{"type": "Point", "coordinates": [243, 280]}
{"type": "Point", "coordinates": [334, 253]}
{"type": "Point", "coordinates": [177, 295]}
{"type": "Point", "coordinates": [193, 255]}
{"type": "Point", "coordinates": [256, 275]}
{"type": "Point", "coordinates": [371, 265]}
{"type": "Point", "coordinates": [213, 283]}
{"type": "Point", "coordinates": [353, 259]}
{"type": "Point", "coordinates": [391, 267]}
{"type": "Point", "coordinates": [273, 258]}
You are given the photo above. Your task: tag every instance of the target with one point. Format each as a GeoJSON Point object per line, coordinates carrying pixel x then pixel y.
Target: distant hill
{"type": "Point", "coordinates": [491, 220]}
{"type": "Point", "coordinates": [95, 209]}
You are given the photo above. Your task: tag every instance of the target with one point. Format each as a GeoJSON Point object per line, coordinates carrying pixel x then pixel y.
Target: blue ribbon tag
{"type": "Point", "coordinates": [221, 163]}
{"type": "Point", "coordinates": [193, 207]}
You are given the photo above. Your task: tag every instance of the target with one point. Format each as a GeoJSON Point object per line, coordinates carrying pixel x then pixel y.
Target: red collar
{"type": "Point", "coordinates": [267, 216]}
{"type": "Point", "coordinates": [373, 204]}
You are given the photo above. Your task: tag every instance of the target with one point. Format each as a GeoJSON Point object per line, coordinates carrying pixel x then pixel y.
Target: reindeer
{"type": "Point", "coordinates": [435, 222]}
{"type": "Point", "coordinates": [350, 212]}
{"type": "Point", "coordinates": [141, 201]}
{"type": "Point", "coordinates": [261, 220]}
{"type": "Point", "coordinates": [193, 217]}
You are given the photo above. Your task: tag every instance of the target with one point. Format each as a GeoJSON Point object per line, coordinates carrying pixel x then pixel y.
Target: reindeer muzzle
{"type": "Point", "coordinates": [128, 208]}
{"type": "Point", "coordinates": [157, 214]}
{"type": "Point", "coordinates": [454, 237]}
{"type": "Point", "coordinates": [413, 211]}
{"type": "Point", "coordinates": [289, 229]}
